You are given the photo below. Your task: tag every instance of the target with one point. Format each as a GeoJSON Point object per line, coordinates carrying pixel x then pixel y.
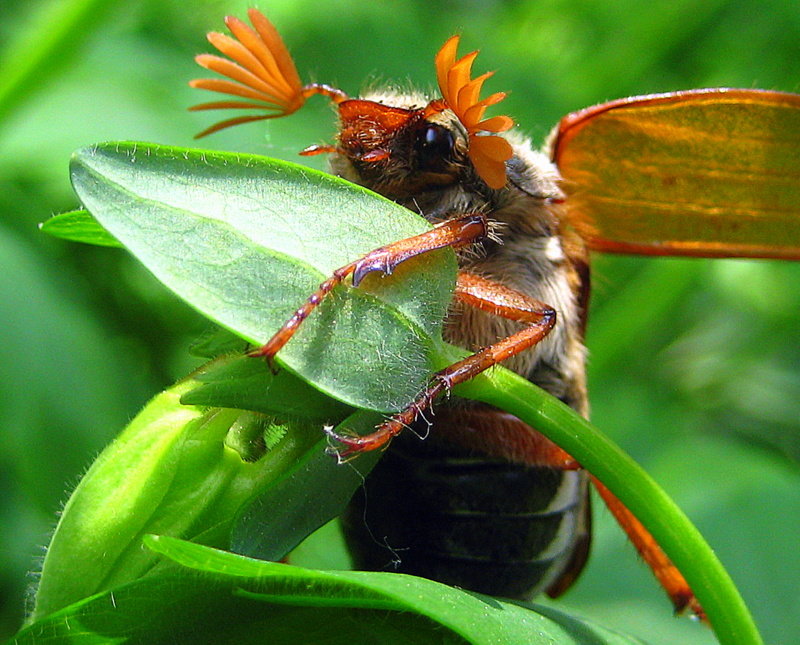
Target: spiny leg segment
{"type": "Point", "coordinates": [473, 290]}
{"type": "Point", "coordinates": [485, 295]}
{"type": "Point", "coordinates": [456, 232]}
{"type": "Point", "coordinates": [663, 569]}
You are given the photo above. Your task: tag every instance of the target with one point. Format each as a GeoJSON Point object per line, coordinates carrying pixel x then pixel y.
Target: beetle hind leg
{"type": "Point", "coordinates": [663, 569]}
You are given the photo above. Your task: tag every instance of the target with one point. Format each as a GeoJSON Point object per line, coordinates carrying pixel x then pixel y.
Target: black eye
{"type": "Point", "coordinates": [434, 146]}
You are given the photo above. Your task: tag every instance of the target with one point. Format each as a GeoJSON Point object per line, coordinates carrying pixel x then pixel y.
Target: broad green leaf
{"type": "Point", "coordinates": [246, 240]}
{"type": "Point", "coordinates": [176, 470]}
{"type": "Point", "coordinates": [302, 498]}
{"type": "Point", "coordinates": [78, 226]}
{"type": "Point", "coordinates": [217, 341]}
{"type": "Point", "coordinates": [220, 597]}
{"type": "Point", "coordinates": [248, 384]}
{"type": "Point", "coordinates": [207, 237]}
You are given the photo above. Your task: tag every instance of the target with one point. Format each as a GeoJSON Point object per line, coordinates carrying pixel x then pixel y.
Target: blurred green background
{"type": "Point", "coordinates": [695, 364]}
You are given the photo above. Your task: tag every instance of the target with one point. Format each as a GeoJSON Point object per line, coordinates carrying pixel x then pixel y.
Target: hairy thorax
{"type": "Point", "coordinates": [526, 249]}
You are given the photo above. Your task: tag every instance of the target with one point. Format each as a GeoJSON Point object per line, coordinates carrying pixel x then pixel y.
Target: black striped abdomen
{"type": "Point", "coordinates": [483, 524]}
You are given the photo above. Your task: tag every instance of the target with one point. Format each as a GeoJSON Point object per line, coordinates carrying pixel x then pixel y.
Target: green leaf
{"type": "Point", "coordinates": [246, 240]}
{"type": "Point", "coordinates": [242, 218]}
{"type": "Point", "coordinates": [115, 500]}
{"type": "Point", "coordinates": [246, 383]}
{"type": "Point", "coordinates": [78, 226]}
{"type": "Point", "coordinates": [216, 341]}
{"type": "Point", "coordinates": [300, 500]}
{"type": "Point", "coordinates": [173, 470]}
{"type": "Point", "coordinates": [220, 597]}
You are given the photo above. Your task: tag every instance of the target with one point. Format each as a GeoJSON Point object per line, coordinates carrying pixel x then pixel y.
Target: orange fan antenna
{"type": "Point", "coordinates": [260, 70]}
{"type": "Point", "coordinates": [488, 152]}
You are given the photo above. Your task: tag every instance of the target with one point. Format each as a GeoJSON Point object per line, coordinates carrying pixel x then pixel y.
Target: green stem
{"type": "Point", "coordinates": [681, 541]}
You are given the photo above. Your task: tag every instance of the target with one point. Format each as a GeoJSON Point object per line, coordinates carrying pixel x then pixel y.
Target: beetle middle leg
{"type": "Point", "coordinates": [487, 295]}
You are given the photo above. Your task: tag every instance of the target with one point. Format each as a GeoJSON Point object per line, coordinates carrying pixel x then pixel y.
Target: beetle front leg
{"type": "Point", "coordinates": [456, 232]}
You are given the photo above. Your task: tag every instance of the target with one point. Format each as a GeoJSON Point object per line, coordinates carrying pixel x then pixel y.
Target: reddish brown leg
{"type": "Point", "coordinates": [665, 572]}
{"type": "Point", "coordinates": [486, 295]}
{"type": "Point", "coordinates": [317, 149]}
{"type": "Point", "coordinates": [334, 94]}
{"type": "Point", "coordinates": [455, 232]}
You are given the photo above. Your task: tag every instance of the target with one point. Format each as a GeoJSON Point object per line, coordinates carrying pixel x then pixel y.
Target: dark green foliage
{"type": "Point", "coordinates": [238, 600]}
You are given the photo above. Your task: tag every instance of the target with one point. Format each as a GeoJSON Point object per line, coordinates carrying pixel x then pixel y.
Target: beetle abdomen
{"type": "Point", "coordinates": [483, 524]}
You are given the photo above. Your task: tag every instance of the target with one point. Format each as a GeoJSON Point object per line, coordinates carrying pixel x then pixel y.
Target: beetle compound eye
{"type": "Point", "coordinates": [434, 146]}
{"type": "Point", "coordinates": [437, 140]}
